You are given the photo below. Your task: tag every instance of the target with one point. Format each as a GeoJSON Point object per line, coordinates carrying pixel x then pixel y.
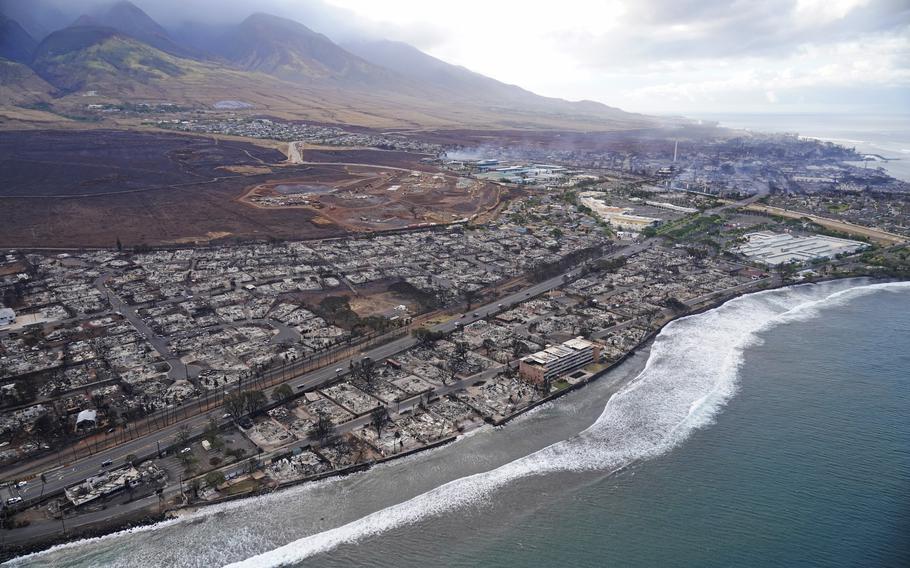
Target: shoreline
{"type": "Point", "coordinates": [148, 516]}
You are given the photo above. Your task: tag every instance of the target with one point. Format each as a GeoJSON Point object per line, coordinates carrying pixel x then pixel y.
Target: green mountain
{"type": "Point", "coordinates": [92, 57]}
{"type": "Point", "coordinates": [283, 68]}
{"type": "Point", "coordinates": [127, 18]}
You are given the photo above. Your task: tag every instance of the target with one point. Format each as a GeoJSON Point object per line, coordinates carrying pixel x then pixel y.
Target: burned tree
{"type": "Point", "coordinates": [322, 429]}
{"type": "Point", "coordinates": [379, 418]}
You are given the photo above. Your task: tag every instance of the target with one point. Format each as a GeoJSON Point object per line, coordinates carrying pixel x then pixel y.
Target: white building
{"type": "Point", "coordinates": [779, 248]}
{"type": "Point", "coordinates": [619, 217]}
{"type": "Point", "coordinates": [558, 360]}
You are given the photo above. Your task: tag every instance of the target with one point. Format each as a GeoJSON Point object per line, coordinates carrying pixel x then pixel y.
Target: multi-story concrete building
{"type": "Point", "coordinates": [558, 360]}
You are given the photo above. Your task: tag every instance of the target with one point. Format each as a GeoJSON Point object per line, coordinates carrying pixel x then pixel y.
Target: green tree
{"type": "Point", "coordinates": [214, 478]}
{"type": "Point", "coordinates": [427, 337]}
{"type": "Point", "coordinates": [183, 435]}
{"type": "Point", "coordinates": [282, 392]}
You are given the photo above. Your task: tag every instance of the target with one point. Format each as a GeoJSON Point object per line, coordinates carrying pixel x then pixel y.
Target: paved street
{"type": "Point", "coordinates": [147, 444]}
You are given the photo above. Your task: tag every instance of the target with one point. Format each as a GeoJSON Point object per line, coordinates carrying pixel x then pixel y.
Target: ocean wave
{"type": "Point", "coordinates": [691, 373]}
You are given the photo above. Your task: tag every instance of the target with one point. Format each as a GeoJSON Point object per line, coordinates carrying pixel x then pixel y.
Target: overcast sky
{"type": "Point", "coordinates": [674, 56]}
{"type": "Point", "coordinates": [668, 56]}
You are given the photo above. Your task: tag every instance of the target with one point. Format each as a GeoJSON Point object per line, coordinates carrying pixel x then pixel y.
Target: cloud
{"type": "Point", "coordinates": [641, 55]}
{"type": "Point", "coordinates": [701, 29]}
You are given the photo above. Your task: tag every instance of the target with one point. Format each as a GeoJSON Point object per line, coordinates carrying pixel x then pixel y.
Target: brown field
{"type": "Point", "coordinates": [71, 189]}
{"type": "Point", "coordinates": [361, 198]}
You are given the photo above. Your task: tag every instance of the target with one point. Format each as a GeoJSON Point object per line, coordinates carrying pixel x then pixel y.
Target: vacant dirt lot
{"type": "Point", "coordinates": [88, 188]}
{"type": "Point", "coordinates": [375, 198]}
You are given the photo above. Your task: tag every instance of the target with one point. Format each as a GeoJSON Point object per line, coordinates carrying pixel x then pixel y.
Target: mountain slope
{"type": "Point", "coordinates": [462, 83]}
{"type": "Point", "coordinates": [289, 50]}
{"type": "Point", "coordinates": [20, 86]}
{"type": "Point", "coordinates": [82, 57]}
{"type": "Point", "coordinates": [15, 43]}
{"type": "Point", "coordinates": [127, 18]}
{"type": "Point", "coordinates": [411, 62]}
{"type": "Point", "coordinates": [37, 17]}
{"type": "Point", "coordinates": [286, 70]}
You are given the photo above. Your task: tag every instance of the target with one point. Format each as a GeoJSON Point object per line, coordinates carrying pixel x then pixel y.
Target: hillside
{"type": "Point", "coordinates": [284, 69]}
{"type": "Point", "coordinates": [127, 18]}
{"type": "Point", "coordinates": [415, 64]}
{"type": "Point", "coordinates": [38, 17]}
{"type": "Point", "coordinates": [20, 86]}
{"type": "Point", "coordinates": [15, 43]}
{"type": "Point", "coordinates": [91, 57]}
{"type": "Point", "coordinates": [289, 50]}
{"type": "Point", "coordinates": [464, 84]}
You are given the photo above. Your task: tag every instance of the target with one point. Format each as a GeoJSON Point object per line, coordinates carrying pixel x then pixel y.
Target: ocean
{"type": "Point", "coordinates": [771, 431]}
{"type": "Point", "coordinates": [885, 135]}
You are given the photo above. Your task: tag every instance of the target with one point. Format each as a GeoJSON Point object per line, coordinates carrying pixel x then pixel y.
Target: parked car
{"type": "Point", "coordinates": [186, 450]}
{"type": "Point", "coordinates": [13, 500]}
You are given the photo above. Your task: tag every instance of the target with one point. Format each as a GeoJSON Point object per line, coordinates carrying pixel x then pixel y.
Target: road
{"type": "Point", "coordinates": [177, 370]}
{"type": "Point", "coordinates": [877, 235]}
{"type": "Point", "coordinates": [147, 445]}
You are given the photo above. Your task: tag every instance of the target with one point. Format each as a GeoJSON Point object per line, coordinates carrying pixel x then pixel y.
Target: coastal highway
{"type": "Point", "coordinates": [147, 445]}
{"type": "Point", "coordinates": [121, 506]}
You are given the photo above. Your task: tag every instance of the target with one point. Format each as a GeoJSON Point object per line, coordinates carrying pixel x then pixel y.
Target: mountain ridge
{"type": "Point", "coordinates": [16, 44]}
{"type": "Point", "coordinates": [280, 65]}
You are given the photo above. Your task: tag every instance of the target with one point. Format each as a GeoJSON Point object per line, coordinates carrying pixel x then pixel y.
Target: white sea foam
{"type": "Point", "coordinates": [691, 372]}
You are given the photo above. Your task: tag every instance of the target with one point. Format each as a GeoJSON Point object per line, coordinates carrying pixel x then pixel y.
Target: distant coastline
{"type": "Point", "coordinates": [884, 136]}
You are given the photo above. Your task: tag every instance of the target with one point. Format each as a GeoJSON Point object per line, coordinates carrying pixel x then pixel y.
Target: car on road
{"type": "Point", "coordinates": [339, 370]}
{"type": "Point", "coordinates": [500, 306]}
{"type": "Point", "coordinates": [458, 323]}
{"type": "Point", "coordinates": [106, 463]}
{"type": "Point", "coordinates": [21, 484]}
{"type": "Point", "coordinates": [186, 450]}
{"type": "Point", "coordinates": [476, 315]}
{"type": "Point", "coordinates": [226, 416]}
{"type": "Point", "coordinates": [13, 500]}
